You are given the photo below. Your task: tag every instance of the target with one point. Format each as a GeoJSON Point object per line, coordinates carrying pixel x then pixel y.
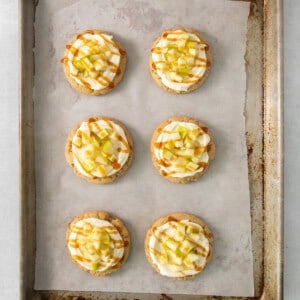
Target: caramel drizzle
{"type": "Point", "coordinates": [101, 79]}
{"type": "Point", "coordinates": [92, 122]}
{"type": "Point", "coordinates": [73, 243]}
{"type": "Point", "coordinates": [200, 250]}
{"type": "Point", "coordinates": [158, 50]}
{"type": "Point", "coordinates": [198, 150]}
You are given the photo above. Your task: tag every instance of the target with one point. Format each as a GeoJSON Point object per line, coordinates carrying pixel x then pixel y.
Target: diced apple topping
{"type": "Point", "coordinates": [178, 58]}
{"type": "Point", "coordinates": [182, 150]}
{"type": "Point", "coordinates": [170, 243]}
{"type": "Point", "coordinates": [182, 249]}
{"type": "Point", "coordinates": [95, 245]}
{"type": "Point", "coordinates": [192, 166]}
{"type": "Point", "coordinates": [97, 149]}
{"type": "Point", "coordinates": [93, 61]}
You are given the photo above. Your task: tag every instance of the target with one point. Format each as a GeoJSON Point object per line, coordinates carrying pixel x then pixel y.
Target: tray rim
{"type": "Point", "coordinates": [273, 157]}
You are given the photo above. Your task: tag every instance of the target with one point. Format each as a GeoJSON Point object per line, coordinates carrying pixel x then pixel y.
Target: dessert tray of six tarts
{"type": "Point", "coordinates": [100, 150]}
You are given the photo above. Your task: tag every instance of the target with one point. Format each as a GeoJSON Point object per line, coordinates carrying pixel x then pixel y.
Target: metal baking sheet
{"type": "Point", "coordinates": [263, 112]}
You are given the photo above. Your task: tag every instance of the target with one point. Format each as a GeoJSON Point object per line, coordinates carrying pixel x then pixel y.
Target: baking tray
{"type": "Point", "coordinates": [264, 126]}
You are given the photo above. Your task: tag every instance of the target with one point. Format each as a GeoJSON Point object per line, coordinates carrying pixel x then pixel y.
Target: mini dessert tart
{"type": "Point", "coordinates": [180, 60]}
{"type": "Point", "coordinates": [182, 149]}
{"type": "Point", "coordinates": [99, 149]}
{"type": "Point", "coordinates": [94, 62]}
{"type": "Point", "coordinates": [98, 243]}
{"type": "Point", "coordinates": [179, 246]}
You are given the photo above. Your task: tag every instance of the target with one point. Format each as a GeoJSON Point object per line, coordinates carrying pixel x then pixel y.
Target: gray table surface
{"type": "Point", "coordinates": [9, 208]}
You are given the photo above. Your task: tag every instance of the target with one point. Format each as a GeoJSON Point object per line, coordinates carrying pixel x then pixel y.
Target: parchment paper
{"type": "Point", "coordinates": [141, 196]}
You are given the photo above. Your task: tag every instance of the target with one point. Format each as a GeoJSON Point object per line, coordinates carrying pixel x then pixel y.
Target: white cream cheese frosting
{"type": "Point", "coordinates": [99, 148]}
{"type": "Point", "coordinates": [93, 60]}
{"type": "Point", "coordinates": [179, 59]}
{"type": "Point", "coordinates": [95, 244]}
{"type": "Point", "coordinates": [179, 248]}
{"type": "Point", "coordinates": [181, 149]}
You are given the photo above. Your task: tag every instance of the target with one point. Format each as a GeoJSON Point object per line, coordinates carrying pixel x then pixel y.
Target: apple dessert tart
{"type": "Point", "coordinates": [182, 149]}
{"type": "Point", "coordinates": [99, 149]}
{"type": "Point", "coordinates": [94, 62]}
{"type": "Point", "coordinates": [180, 60]}
{"type": "Point", "coordinates": [179, 246]}
{"type": "Point", "coordinates": [98, 243]}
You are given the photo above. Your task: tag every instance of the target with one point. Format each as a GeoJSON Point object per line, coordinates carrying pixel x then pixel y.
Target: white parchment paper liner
{"type": "Point", "coordinates": [221, 197]}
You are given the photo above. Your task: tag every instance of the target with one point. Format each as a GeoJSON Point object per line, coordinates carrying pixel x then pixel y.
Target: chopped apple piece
{"type": "Point", "coordinates": [181, 61]}
{"type": "Point", "coordinates": [102, 160]}
{"type": "Point", "coordinates": [93, 74]}
{"type": "Point", "coordinates": [85, 138]}
{"type": "Point", "coordinates": [103, 133]}
{"type": "Point", "coordinates": [174, 136]}
{"type": "Point", "coordinates": [190, 61]}
{"type": "Point", "coordinates": [107, 147]}
{"type": "Point", "coordinates": [175, 77]}
{"type": "Point", "coordinates": [89, 166]}
{"type": "Point", "coordinates": [97, 245]}
{"type": "Point", "coordinates": [186, 152]}
{"type": "Point", "coordinates": [192, 166]}
{"type": "Point", "coordinates": [191, 44]}
{"type": "Point", "coordinates": [171, 244]}
{"type": "Point", "coordinates": [174, 258]}
{"type": "Point", "coordinates": [195, 237]}
{"type": "Point", "coordinates": [78, 65]}
{"type": "Point", "coordinates": [86, 62]}
{"type": "Point", "coordinates": [105, 250]}
{"type": "Point", "coordinates": [179, 168]}
{"type": "Point", "coordinates": [184, 71]}
{"type": "Point", "coordinates": [167, 154]}
{"type": "Point", "coordinates": [170, 57]}
{"type": "Point", "coordinates": [112, 158]}
{"type": "Point", "coordinates": [196, 160]}
{"type": "Point", "coordinates": [170, 145]}
{"type": "Point", "coordinates": [94, 57]}
{"type": "Point", "coordinates": [179, 144]}
{"type": "Point", "coordinates": [186, 246]}
{"type": "Point", "coordinates": [191, 229]}
{"type": "Point", "coordinates": [193, 51]}
{"type": "Point", "coordinates": [190, 145]}
{"type": "Point", "coordinates": [163, 258]}
{"type": "Point", "coordinates": [85, 73]}
{"type": "Point", "coordinates": [172, 46]}
{"type": "Point", "coordinates": [81, 241]}
{"type": "Point", "coordinates": [77, 142]}
{"type": "Point", "coordinates": [180, 232]}
{"type": "Point", "coordinates": [193, 134]}
{"type": "Point", "coordinates": [101, 170]}
{"type": "Point", "coordinates": [181, 44]}
{"type": "Point", "coordinates": [182, 131]}
{"type": "Point", "coordinates": [90, 247]}
{"type": "Point", "coordinates": [192, 257]}
{"type": "Point", "coordinates": [87, 226]}
{"type": "Point", "coordinates": [95, 266]}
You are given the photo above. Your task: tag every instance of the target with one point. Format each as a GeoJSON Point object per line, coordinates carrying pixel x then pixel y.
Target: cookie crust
{"type": "Point", "coordinates": [179, 216]}
{"type": "Point", "coordinates": [211, 149]}
{"type": "Point", "coordinates": [85, 90]}
{"type": "Point", "coordinates": [197, 84]}
{"type": "Point", "coordinates": [98, 180]}
{"type": "Point", "coordinates": [102, 215]}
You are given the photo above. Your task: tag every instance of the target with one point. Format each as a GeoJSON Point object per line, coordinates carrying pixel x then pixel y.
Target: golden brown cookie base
{"type": "Point", "coordinates": [210, 152]}
{"type": "Point", "coordinates": [196, 84]}
{"type": "Point", "coordinates": [121, 229]}
{"type": "Point", "coordinates": [178, 217]}
{"type": "Point", "coordinates": [98, 180]}
{"type": "Point", "coordinates": [86, 90]}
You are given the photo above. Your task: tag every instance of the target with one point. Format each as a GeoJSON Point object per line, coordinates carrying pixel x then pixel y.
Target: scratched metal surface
{"type": "Point", "coordinates": [263, 109]}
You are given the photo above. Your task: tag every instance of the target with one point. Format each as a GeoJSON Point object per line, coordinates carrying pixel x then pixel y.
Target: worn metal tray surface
{"type": "Point", "coordinates": [263, 112]}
